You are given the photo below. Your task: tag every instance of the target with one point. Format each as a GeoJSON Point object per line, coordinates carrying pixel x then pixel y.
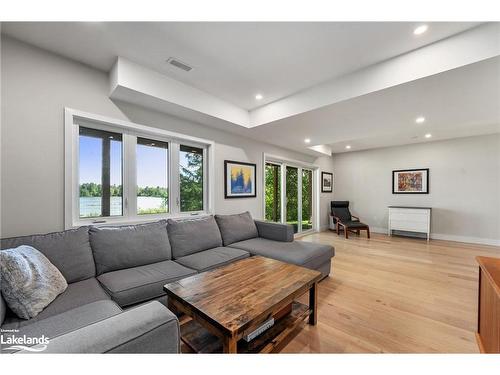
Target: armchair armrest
{"type": "Point", "coordinates": [275, 231]}
{"type": "Point", "coordinates": [335, 217]}
{"type": "Point", "coordinates": [149, 328]}
{"type": "Point", "coordinates": [355, 217]}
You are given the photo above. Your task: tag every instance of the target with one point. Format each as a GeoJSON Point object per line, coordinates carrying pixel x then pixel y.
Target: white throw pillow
{"type": "Point", "coordinates": [29, 281]}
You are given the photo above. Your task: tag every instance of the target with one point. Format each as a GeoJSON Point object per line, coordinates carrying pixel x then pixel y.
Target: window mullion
{"type": "Point", "coordinates": [174, 173]}
{"type": "Point", "coordinates": [206, 203]}
{"type": "Point", "coordinates": [130, 176]}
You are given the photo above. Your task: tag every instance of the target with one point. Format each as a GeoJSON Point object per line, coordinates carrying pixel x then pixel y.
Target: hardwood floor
{"type": "Point", "coordinates": [396, 295]}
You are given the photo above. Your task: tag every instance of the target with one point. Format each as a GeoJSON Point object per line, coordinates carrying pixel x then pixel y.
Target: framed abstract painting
{"type": "Point", "coordinates": [239, 179]}
{"type": "Point", "coordinates": [410, 181]}
{"type": "Point", "coordinates": [326, 182]}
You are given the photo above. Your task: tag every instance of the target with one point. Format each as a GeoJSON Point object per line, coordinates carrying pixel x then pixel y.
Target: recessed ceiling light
{"type": "Point", "coordinates": [307, 140]}
{"type": "Point", "coordinates": [258, 96]}
{"type": "Point", "coordinates": [420, 120]}
{"type": "Point", "coordinates": [428, 135]}
{"type": "Point", "coordinates": [348, 147]}
{"type": "Point", "coordinates": [420, 30]}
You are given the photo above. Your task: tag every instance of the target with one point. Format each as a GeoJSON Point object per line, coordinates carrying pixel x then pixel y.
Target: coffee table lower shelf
{"type": "Point", "coordinates": [199, 340]}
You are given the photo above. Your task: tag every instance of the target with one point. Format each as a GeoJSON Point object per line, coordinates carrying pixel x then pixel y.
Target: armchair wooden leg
{"type": "Point", "coordinates": [337, 226]}
{"type": "Point", "coordinates": [368, 232]}
{"type": "Point", "coordinates": [345, 232]}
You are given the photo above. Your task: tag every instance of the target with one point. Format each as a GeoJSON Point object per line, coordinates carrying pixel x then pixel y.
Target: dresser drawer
{"type": "Point", "coordinates": [409, 226]}
{"type": "Point", "coordinates": [411, 211]}
{"type": "Point", "coordinates": [413, 217]}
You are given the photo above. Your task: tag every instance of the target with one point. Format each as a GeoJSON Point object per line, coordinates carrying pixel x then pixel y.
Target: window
{"type": "Point", "coordinates": [100, 168]}
{"type": "Point", "coordinates": [118, 172]}
{"type": "Point", "coordinates": [152, 176]}
{"type": "Point", "coordinates": [191, 178]}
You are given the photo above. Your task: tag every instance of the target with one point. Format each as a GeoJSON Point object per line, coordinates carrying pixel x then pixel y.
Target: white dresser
{"type": "Point", "coordinates": [410, 219]}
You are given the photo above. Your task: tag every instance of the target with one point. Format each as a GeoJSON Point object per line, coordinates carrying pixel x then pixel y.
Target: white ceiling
{"type": "Point", "coordinates": [457, 103]}
{"type": "Point", "coordinates": [234, 61]}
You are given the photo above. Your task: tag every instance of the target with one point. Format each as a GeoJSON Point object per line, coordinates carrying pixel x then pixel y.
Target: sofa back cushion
{"type": "Point", "coordinates": [69, 251]}
{"type": "Point", "coordinates": [340, 209]}
{"type": "Point", "coordinates": [193, 235]}
{"type": "Point", "coordinates": [235, 228]}
{"type": "Point", "coordinates": [127, 246]}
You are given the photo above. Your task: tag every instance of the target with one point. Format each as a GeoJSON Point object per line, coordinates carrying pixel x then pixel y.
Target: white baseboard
{"type": "Point", "coordinates": [439, 236]}
{"type": "Point", "coordinates": [451, 237]}
{"type": "Point", "coordinates": [467, 239]}
{"type": "Point", "coordinates": [378, 230]}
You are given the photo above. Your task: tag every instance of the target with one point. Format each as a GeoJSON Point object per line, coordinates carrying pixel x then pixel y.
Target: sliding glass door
{"type": "Point", "coordinates": [307, 200]}
{"type": "Point", "coordinates": [292, 198]}
{"type": "Point", "coordinates": [289, 195]}
{"type": "Point", "coordinates": [273, 192]}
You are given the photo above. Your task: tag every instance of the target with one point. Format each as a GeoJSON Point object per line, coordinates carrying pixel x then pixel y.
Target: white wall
{"type": "Point", "coordinates": [464, 185]}
{"type": "Point", "coordinates": [36, 86]}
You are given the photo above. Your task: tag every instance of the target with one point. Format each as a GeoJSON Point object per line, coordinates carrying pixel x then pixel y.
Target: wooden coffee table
{"type": "Point", "coordinates": [227, 303]}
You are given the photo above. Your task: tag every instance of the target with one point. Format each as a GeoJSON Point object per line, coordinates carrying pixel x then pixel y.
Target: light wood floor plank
{"type": "Point", "coordinates": [395, 295]}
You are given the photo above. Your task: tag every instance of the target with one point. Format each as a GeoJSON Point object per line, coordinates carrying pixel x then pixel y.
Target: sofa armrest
{"type": "Point", "coordinates": [149, 328]}
{"type": "Point", "coordinates": [275, 231]}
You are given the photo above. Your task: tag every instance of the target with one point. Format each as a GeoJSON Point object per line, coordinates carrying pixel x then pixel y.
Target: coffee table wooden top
{"type": "Point", "coordinates": [235, 296]}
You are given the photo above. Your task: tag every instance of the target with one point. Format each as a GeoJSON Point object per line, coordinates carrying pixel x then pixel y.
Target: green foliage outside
{"type": "Point", "coordinates": [91, 189]}
{"type": "Point", "coordinates": [191, 188]}
{"type": "Point", "coordinates": [273, 189]}
{"type": "Point", "coordinates": [306, 199]}
{"type": "Point", "coordinates": [191, 183]}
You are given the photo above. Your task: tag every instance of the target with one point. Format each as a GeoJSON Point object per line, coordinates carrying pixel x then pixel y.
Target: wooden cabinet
{"type": "Point", "coordinates": [410, 219]}
{"type": "Point", "coordinates": [488, 326]}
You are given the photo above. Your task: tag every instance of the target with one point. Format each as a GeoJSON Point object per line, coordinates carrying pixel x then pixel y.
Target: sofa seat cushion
{"type": "Point", "coordinates": [189, 236]}
{"type": "Point", "coordinates": [301, 253]}
{"type": "Point", "coordinates": [212, 258]}
{"type": "Point", "coordinates": [68, 321]}
{"type": "Point", "coordinates": [235, 228]}
{"type": "Point", "coordinates": [126, 246]}
{"type": "Point", "coordinates": [139, 284]}
{"type": "Point", "coordinates": [76, 295]}
{"type": "Point", "coordinates": [355, 224]}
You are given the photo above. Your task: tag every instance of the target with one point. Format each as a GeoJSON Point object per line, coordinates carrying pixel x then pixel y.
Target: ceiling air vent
{"type": "Point", "coordinates": [179, 64]}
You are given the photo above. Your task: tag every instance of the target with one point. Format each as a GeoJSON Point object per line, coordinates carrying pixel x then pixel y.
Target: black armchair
{"type": "Point", "coordinates": [342, 218]}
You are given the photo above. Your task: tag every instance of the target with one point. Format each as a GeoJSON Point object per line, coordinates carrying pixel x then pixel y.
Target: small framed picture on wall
{"type": "Point", "coordinates": [326, 182]}
{"type": "Point", "coordinates": [239, 179]}
{"type": "Point", "coordinates": [410, 181]}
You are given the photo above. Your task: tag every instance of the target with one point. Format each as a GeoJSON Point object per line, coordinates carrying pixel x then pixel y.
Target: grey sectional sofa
{"type": "Point", "coordinates": [115, 300]}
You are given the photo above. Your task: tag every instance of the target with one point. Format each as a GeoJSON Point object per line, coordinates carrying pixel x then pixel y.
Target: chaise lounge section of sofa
{"type": "Point", "coordinates": [115, 300]}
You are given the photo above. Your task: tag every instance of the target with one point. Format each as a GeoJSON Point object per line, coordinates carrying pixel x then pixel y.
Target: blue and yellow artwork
{"type": "Point", "coordinates": [240, 179]}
